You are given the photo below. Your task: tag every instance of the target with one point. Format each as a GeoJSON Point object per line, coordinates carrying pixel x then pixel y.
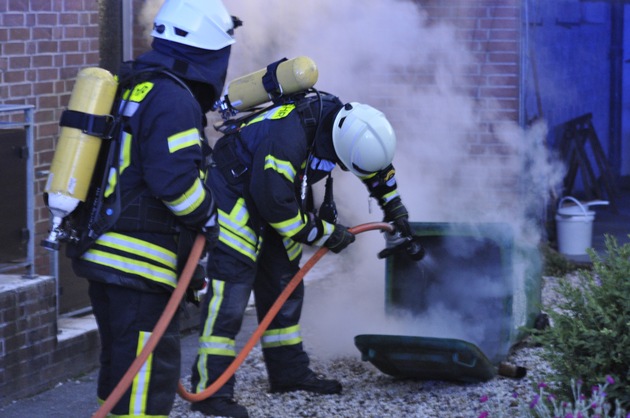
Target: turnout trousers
{"type": "Point", "coordinates": [126, 318]}
{"type": "Point", "coordinates": [250, 256]}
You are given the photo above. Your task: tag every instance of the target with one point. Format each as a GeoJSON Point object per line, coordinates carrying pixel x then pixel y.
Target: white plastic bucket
{"type": "Point", "coordinates": [574, 226]}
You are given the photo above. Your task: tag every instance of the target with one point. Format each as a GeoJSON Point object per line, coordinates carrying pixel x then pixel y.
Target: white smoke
{"type": "Point", "coordinates": [452, 164]}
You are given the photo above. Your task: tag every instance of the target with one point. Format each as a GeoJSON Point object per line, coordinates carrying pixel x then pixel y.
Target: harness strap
{"type": "Point", "coordinates": [227, 161]}
{"type": "Point", "coordinates": [270, 80]}
{"type": "Point", "coordinates": [94, 125]}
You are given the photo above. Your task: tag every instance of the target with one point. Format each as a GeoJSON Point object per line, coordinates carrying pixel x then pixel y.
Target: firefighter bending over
{"type": "Point", "coordinates": [260, 179]}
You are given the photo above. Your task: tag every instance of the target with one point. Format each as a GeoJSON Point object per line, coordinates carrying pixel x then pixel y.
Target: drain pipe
{"type": "Point", "coordinates": [616, 86]}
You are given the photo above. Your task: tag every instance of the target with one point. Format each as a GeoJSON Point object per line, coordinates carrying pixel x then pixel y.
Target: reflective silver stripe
{"type": "Point", "coordinates": [132, 266]}
{"type": "Point", "coordinates": [290, 227]}
{"type": "Point", "coordinates": [237, 224]}
{"type": "Point", "coordinates": [328, 230]}
{"type": "Point", "coordinates": [140, 386]}
{"type": "Point", "coordinates": [389, 196]}
{"type": "Point", "coordinates": [280, 166]}
{"type": "Point", "coordinates": [235, 233]}
{"type": "Point", "coordinates": [138, 247]}
{"type": "Point", "coordinates": [128, 108]}
{"type": "Point", "coordinates": [294, 249]}
{"type": "Point", "coordinates": [228, 238]}
{"type": "Point", "coordinates": [185, 139]}
{"type": "Point", "coordinates": [214, 305]}
{"type": "Point", "coordinates": [189, 201]}
{"type": "Point", "coordinates": [278, 337]}
{"type": "Point", "coordinates": [218, 287]}
{"type": "Point", "coordinates": [219, 346]}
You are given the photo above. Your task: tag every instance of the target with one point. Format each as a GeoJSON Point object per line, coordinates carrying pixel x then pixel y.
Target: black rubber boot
{"type": "Point", "coordinates": [312, 383]}
{"type": "Point", "coordinates": [221, 407]}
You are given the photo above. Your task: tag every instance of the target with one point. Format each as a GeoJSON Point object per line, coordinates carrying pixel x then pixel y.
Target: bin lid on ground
{"type": "Point", "coordinates": [426, 358]}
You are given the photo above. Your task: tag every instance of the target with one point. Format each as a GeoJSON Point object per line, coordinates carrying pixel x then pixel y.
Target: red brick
{"type": "Point", "coordinates": [11, 77]}
{"type": "Point", "coordinates": [73, 5]}
{"type": "Point", "coordinates": [68, 18]}
{"type": "Point", "coordinates": [47, 102]}
{"type": "Point", "coordinates": [42, 32]}
{"type": "Point", "coordinates": [13, 48]}
{"type": "Point", "coordinates": [44, 47]}
{"type": "Point", "coordinates": [48, 74]}
{"type": "Point", "coordinates": [74, 32]}
{"type": "Point", "coordinates": [47, 19]}
{"type": "Point", "coordinates": [503, 57]}
{"type": "Point", "coordinates": [19, 62]}
{"type": "Point", "coordinates": [49, 129]}
{"type": "Point", "coordinates": [498, 23]}
{"type": "Point", "coordinates": [18, 5]}
{"type": "Point", "coordinates": [75, 59]}
{"type": "Point", "coordinates": [19, 34]}
{"type": "Point", "coordinates": [44, 88]}
{"type": "Point", "coordinates": [502, 46]}
{"type": "Point", "coordinates": [42, 61]}
{"type": "Point", "coordinates": [13, 19]}
{"type": "Point", "coordinates": [41, 5]}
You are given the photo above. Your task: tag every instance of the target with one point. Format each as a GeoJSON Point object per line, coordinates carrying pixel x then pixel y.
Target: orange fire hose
{"type": "Point", "coordinates": [174, 302]}
{"type": "Point", "coordinates": [158, 331]}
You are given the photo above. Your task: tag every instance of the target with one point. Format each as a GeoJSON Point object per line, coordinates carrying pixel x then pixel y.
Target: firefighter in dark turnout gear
{"type": "Point", "coordinates": [259, 179]}
{"type": "Point", "coordinates": [133, 267]}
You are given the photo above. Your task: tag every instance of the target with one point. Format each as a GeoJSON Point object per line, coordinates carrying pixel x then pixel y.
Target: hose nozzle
{"type": "Point", "coordinates": [408, 245]}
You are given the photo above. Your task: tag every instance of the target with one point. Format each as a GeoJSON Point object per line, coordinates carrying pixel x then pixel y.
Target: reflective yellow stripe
{"type": "Point", "coordinates": [235, 233]}
{"type": "Point", "coordinates": [212, 344]}
{"type": "Point", "coordinates": [276, 113]}
{"type": "Point", "coordinates": [124, 159]}
{"type": "Point", "coordinates": [140, 385]}
{"type": "Point", "coordinates": [218, 346]}
{"type": "Point", "coordinates": [281, 337]}
{"type": "Point", "coordinates": [132, 266]}
{"type": "Point", "coordinates": [125, 151]}
{"type": "Point", "coordinates": [290, 227]}
{"type": "Point", "coordinates": [189, 201]}
{"type": "Point", "coordinates": [389, 196]}
{"type": "Point", "coordinates": [153, 254]}
{"type": "Point", "coordinates": [294, 248]}
{"type": "Point", "coordinates": [328, 230]}
{"type": "Point", "coordinates": [282, 167]}
{"type": "Point", "coordinates": [139, 247]}
{"type": "Point", "coordinates": [185, 139]}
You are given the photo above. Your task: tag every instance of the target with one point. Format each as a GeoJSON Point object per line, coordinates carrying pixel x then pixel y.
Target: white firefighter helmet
{"type": "Point", "coordinates": [204, 24]}
{"type": "Point", "coordinates": [363, 138]}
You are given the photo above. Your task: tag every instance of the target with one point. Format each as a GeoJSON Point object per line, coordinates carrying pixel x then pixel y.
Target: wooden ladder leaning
{"type": "Point", "coordinates": [577, 134]}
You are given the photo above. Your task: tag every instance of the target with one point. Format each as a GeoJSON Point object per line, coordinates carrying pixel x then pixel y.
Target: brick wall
{"type": "Point", "coordinates": [490, 29]}
{"type": "Point", "coordinates": [32, 357]}
{"type": "Point", "coordinates": [43, 45]}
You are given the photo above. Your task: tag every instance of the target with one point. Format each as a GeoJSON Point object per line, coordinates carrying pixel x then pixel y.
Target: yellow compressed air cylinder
{"type": "Point", "coordinates": [77, 152]}
{"type": "Point", "coordinates": [293, 75]}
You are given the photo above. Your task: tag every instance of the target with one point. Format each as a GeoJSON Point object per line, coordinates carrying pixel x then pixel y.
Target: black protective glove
{"type": "Point", "coordinates": [339, 239]}
{"type": "Point", "coordinates": [211, 232]}
{"type": "Point", "coordinates": [396, 213]}
{"type": "Point", "coordinates": [196, 285]}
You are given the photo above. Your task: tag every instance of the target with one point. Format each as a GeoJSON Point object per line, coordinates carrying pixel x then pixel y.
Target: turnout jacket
{"type": "Point", "coordinates": [275, 149]}
{"type": "Point", "coordinates": [162, 156]}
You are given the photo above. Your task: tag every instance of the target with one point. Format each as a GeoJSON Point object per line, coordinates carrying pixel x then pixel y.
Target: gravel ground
{"type": "Point", "coordinates": [370, 393]}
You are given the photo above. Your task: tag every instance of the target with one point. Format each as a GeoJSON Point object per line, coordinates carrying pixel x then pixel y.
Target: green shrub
{"type": "Point", "coordinates": [556, 264]}
{"type": "Point", "coordinates": [590, 333]}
